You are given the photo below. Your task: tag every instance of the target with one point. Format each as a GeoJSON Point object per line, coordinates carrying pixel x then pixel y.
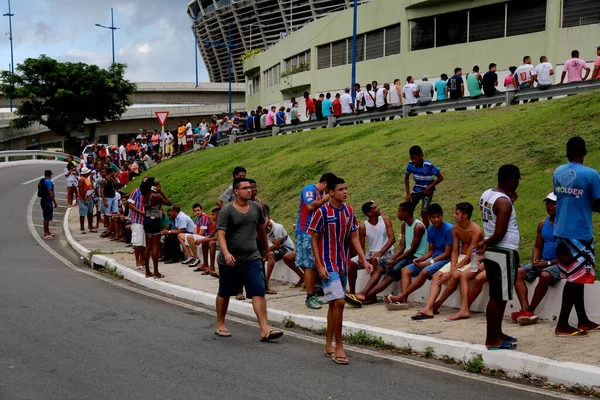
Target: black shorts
{"type": "Point", "coordinates": [47, 209]}
{"type": "Point", "coordinates": [249, 275]}
{"type": "Point", "coordinates": [279, 253]}
{"type": "Point", "coordinates": [501, 268]}
{"type": "Point", "coordinates": [152, 226]}
{"type": "Point", "coordinates": [425, 200]}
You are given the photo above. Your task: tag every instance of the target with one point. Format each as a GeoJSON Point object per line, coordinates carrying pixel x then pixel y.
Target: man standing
{"type": "Point", "coordinates": [574, 67]}
{"type": "Point", "coordinates": [410, 91]}
{"type": "Point", "coordinates": [138, 236]}
{"type": "Point", "coordinates": [47, 202]}
{"type": "Point", "coordinates": [85, 202]}
{"type": "Point", "coordinates": [181, 140]}
{"type": "Point", "coordinates": [228, 195]}
{"type": "Point", "coordinates": [123, 152]}
{"type": "Point", "coordinates": [346, 102]}
{"type": "Point", "coordinates": [489, 83]}
{"type": "Point", "coordinates": [311, 199]}
{"type": "Point", "coordinates": [596, 73]}
{"type": "Point", "coordinates": [544, 71]}
{"type": "Point", "coordinates": [425, 92]}
{"type": "Point", "coordinates": [240, 260]}
{"type": "Point", "coordinates": [326, 106]}
{"type": "Point", "coordinates": [319, 106]}
{"type": "Point", "coordinates": [310, 107]}
{"type": "Point", "coordinates": [577, 189]}
{"type": "Point", "coordinates": [456, 86]}
{"type": "Point", "coordinates": [271, 117]}
{"type": "Point", "coordinates": [333, 228]}
{"type": "Point", "coordinates": [500, 251]}
{"type": "Point", "coordinates": [359, 96]}
{"type": "Point", "coordinates": [336, 106]}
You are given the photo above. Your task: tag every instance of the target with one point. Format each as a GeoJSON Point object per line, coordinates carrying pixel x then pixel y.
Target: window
{"type": "Point", "coordinates": [254, 85]}
{"type": "Point", "coordinates": [295, 61]}
{"type": "Point", "coordinates": [580, 12]}
{"type": "Point", "coordinates": [360, 48]}
{"type": "Point", "coordinates": [525, 17]}
{"type": "Point", "coordinates": [487, 22]}
{"type": "Point", "coordinates": [422, 33]}
{"type": "Point", "coordinates": [339, 53]}
{"type": "Point", "coordinates": [324, 56]}
{"type": "Point", "coordinates": [392, 40]}
{"type": "Point", "coordinates": [451, 28]}
{"type": "Point", "coordinates": [374, 44]}
{"type": "Point", "coordinates": [272, 76]}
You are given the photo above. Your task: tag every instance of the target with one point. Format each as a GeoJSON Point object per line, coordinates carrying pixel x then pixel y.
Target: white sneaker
{"type": "Point", "coordinates": [187, 260]}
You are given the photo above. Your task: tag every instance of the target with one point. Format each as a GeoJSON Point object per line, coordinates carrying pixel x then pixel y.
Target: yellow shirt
{"type": "Point", "coordinates": [181, 132]}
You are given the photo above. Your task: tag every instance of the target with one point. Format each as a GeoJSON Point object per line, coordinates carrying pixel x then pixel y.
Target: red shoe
{"type": "Point", "coordinates": [527, 318]}
{"type": "Point", "coordinates": [515, 315]}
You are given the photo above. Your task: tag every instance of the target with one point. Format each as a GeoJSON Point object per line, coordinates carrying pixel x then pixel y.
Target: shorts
{"type": "Point", "coordinates": [249, 275]}
{"type": "Point", "coordinates": [312, 116]}
{"type": "Point", "coordinates": [47, 209]}
{"type": "Point", "coordinates": [544, 87]}
{"type": "Point", "coordinates": [138, 237]}
{"type": "Point", "coordinates": [304, 254]}
{"type": "Point", "coordinates": [533, 273]}
{"type": "Point", "coordinates": [576, 260]}
{"type": "Point", "coordinates": [431, 268]}
{"type": "Point", "coordinates": [394, 272]}
{"type": "Point", "coordinates": [196, 237]}
{"type": "Point", "coordinates": [280, 252]}
{"type": "Point", "coordinates": [334, 288]}
{"type": "Point", "coordinates": [72, 185]}
{"type": "Point", "coordinates": [112, 206]}
{"type": "Point", "coordinates": [448, 266]}
{"type": "Point", "coordinates": [385, 258]}
{"type": "Point", "coordinates": [181, 141]}
{"type": "Point", "coordinates": [99, 205]}
{"type": "Point", "coordinates": [501, 269]}
{"type": "Point", "coordinates": [524, 85]}
{"type": "Point", "coordinates": [85, 210]}
{"type": "Point", "coordinates": [168, 148]}
{"type": "Point", "coordinates": [152, 226]}
{"type": "Point", "coordinates": [424, 198]}
{"type": "Point", "coordinates": [295, 121]}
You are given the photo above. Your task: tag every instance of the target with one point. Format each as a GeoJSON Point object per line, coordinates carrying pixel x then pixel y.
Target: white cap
{"type": "Point", "coordinates": [551, 196]}
{"type": "Point", "coordinates": [85, 171]}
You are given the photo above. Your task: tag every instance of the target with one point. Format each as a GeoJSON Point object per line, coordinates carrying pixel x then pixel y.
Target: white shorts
{"type": "Point", "coordinates": [196, 237]}
{"type": "Point", "coordinates": [448, 267]}
{"type": "Point", "coordinates": [181, 141]}
{"type": "Point", "coordinates": [138, 237]}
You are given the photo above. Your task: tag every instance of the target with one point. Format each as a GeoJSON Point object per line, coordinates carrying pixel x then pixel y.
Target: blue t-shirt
{"type": "Point", "coordinates": [549, 249]}
{"type": "Point", "coordinates": [440, 238]}
{"type": "Point", "coordinates": [576, 187]}
{"type": "Point", "coordinates": [440, 89]}
{"type": "Point", "coordinates": [326, 108]}
{"type": "Point", "coordinates": [424, 175]}
{"type": "Point", "coordinates": [250, 122]}
{"type": "Point", "coordinates": [50, 186]}
{"type": "Point", "coordinates": [454, 89]}
{"type": "Point", "coordinates": [279, 118]}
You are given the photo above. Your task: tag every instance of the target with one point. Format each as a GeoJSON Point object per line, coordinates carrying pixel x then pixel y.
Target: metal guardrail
{"type": "Point", "coordinates": [507, 98]}
{"type": "Point", "coordinates": [35, 155]}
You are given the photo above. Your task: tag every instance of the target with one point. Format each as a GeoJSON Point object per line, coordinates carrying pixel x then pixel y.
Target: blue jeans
{"type": "Point", "coordinates": [395, 272]}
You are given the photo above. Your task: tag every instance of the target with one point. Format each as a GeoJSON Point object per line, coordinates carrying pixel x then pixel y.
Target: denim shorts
{"type": "Point", "coordinates": [47, 209]}
{"type": "Point", "coordinates": [85, 210]}
{"type": "Point", "coordinates": [533, 273]}
{"type": "Point", "coordinates": [395, 271]}
{"type": "Point", "coordinates": [431, 268]}
{"type": "Point", "coordinates": [304, 253]}
{"type": "Point", "coordinates": [424, 198]}
{"type": "Point", "coordinates": [112, 207]}
{"type": "Point", "coordinates": [249, 275]}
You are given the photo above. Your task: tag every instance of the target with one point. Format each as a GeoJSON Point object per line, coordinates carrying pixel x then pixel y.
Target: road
{"type": "Point", "coordinates": [68, 335]}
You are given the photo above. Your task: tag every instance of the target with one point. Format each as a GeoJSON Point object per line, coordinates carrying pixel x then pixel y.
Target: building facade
{"type": "Point", "coordinates": [255, 24]}
{"type": "Point", "coordinates": [397, 38]}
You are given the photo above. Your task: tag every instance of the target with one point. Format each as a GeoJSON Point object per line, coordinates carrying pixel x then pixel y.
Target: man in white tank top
{"type": "Point", "coordinates": [500, 250]}
{"type": "Point", "coordinates": [379, 234]}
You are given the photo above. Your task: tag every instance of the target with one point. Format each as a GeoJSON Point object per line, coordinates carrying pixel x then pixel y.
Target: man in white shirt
{"type": "Point", "coordinates": [189, 132]}
{"type": "Point", "coordinates": [523, 78]}
{"type": "Point", "coordinates": [544, 72]}
{"type": "Point", "coordinates": [123, 152]}
{"type": "Point", "coordinates": [410, 92]}
{"type": "Point", "coordinates": [346, 102]}
{"type": "Point", "coordinates": [168, 139]}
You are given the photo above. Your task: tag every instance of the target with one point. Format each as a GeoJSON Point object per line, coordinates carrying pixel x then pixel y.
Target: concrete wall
{"type": "Point", "coordinates": [555, 42]}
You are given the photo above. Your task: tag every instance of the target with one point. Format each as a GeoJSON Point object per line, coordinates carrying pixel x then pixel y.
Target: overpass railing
{"type": "Point", "coordinates": [507, 98]}
{"type": "Point", "coordinates": [6, 156]}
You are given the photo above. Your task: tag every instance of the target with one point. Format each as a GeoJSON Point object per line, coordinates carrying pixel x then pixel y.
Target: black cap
{"type": "Point", "coordinates": [48, 173]}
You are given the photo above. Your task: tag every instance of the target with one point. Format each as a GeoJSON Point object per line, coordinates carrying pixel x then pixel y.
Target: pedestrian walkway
{"type": "Point", "coordinates": [536, 339]}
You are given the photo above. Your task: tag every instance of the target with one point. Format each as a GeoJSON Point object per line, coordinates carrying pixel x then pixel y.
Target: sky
{"type": "Point", "coordinates": [155, 40]}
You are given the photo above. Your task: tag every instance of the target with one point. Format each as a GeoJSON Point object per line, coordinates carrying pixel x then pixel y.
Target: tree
{"type": "Point", "coordinates": [63, 96]}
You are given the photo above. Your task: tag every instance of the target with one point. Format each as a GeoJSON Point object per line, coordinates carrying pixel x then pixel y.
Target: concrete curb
{"type": "Point", "coordinates": [513, 363]}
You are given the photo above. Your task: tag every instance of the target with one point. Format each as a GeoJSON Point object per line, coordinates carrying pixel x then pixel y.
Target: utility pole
{"type": "Point", "coordinates": [10, 37]}
{"type": "Point", "coordinates": [229, 45]}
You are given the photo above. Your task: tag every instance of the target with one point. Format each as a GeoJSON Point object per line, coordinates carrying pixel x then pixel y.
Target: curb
{"type": "Point", "coordinates": [514, 364]}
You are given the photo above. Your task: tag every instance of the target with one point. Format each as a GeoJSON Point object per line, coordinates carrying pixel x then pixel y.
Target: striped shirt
{"type": "Point", "coordinates": [424, 175]}
{"type": "Point", "coordinates": [205, 223]}
{"type": "Point", "coordinates": [335, 226]}
{"type": "Point", "coordinates": [136, 199]}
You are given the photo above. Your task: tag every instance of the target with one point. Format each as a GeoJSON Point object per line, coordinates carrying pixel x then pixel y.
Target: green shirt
{"type": "Point", "coordinates": [473, 84]}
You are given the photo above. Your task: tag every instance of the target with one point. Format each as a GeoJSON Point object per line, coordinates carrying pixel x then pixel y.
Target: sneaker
{"type": "Point", "coordinates": [321, 301]}
{"type": "Point", "coordinates": [515, 315]}
{"type": "Point", "coordinates": [312, 303]}
{"type": "Point", "coordinates": [195, 262]}
{"type": "Point", "coordinates": [187, 260]}
{"type": "Point", "coordinates": [528, 318]}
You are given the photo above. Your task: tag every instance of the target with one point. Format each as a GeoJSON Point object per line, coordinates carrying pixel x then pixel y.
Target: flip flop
{"type": "Point", "coordinates": [420, 316]}
{"type": "Point", "coordinates": [352, 300]}
{"type": "Point", "coordinates": [596, 329]}
{"type": "Point", "coordinates": [394, 306]}
{"type": "Point", "coordinates": [223, 333]}
{"type": "Point", "coordinates": [341, 360]}
{"type": "Point", "coordinates": [576, 334]}
{"type": "Point", "coordinates": [240, 297]}
{"type": "Point", "coordinates": [328, 354]}
{"type": "Point", "coordinates": [272, 335]}
{"type": "Point", "coordinates": [511, 339]}
{"type": "Point", "coordinates": [270, 291]}
{"type": "Point", "coordinates": [214, 274]}
{"type": "Point", "coordinates": [506, 345]}
{"type": "Point", "coordinates": [295, 286]}
{"type": "Point", "coordinates": [205, 272]}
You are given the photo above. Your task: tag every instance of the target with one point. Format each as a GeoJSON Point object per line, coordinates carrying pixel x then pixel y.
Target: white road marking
{"type": "Point", "coordinates": [33, 180]}
{"type": "Point", "coordinates": [308, 338]}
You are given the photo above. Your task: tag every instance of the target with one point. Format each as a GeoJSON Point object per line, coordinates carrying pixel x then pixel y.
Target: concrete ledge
{"type": "Point", "coordinates": [513, 363]}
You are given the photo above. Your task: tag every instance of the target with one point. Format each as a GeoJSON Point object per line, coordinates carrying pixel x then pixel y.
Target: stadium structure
{"type": "Point", "coordinates": [255, 24]}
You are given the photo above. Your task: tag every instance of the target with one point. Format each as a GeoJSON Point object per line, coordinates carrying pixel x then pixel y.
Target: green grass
{"type": "Point", "coordinates": [467, 146]}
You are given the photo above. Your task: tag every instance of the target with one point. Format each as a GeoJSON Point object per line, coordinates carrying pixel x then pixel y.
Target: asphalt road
{"type": "Point", "coordinates": [67, 335]}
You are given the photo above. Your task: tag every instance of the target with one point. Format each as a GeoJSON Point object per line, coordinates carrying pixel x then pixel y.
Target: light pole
{"type": "Point", "coordinates": [229, 45]}
{"type": "Point", "coordinates": [354, 51]}
{"type": "Point", "coordinates": [195, 27]}
{"type": "Point", "coordinates": [251, 25]}
{"type": "Point", "coordinates": [10, 37]}
{"type": "Point", "coordinates": [112, 28]}
{"type": "Point", "coordinates": [291, 17]}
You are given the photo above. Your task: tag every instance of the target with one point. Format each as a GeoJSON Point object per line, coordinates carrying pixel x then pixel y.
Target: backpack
{"type": "Point", "coordinates": [363, 102]}
{"type": "Point", "coordinates": [42, 189]}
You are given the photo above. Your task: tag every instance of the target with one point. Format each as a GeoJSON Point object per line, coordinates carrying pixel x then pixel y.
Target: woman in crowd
{"type": "Point", "coordinates": [154, 199]}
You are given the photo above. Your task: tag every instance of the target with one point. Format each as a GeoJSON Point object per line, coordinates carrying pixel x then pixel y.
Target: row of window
{"type": "Point", "coordinates": [272, 76]}
{"type": "Point", "coordinates": [580, 12]}
{"type": "Point", "coordinates": [295, 61]}
{"type": "Point", "coordinates": [254, 85]}
{"type": "Point", "coordinates": [370, 45]}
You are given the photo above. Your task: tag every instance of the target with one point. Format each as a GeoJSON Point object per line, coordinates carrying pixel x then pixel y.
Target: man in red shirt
{"type": "Point", "coordinates": [337, 106]}
{"type": "Point", "coordinates": [311, 113]}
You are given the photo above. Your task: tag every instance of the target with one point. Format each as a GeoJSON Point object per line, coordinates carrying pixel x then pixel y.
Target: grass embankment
{"type": "Point", "coordinates": [467, 146]}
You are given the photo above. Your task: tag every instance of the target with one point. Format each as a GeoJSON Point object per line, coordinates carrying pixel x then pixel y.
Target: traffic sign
{"type": "Point", "coordinates": [162, 117]}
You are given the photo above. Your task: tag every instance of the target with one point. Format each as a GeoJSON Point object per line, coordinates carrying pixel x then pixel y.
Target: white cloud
{"type": "Point", "coordinates": [145, 48]}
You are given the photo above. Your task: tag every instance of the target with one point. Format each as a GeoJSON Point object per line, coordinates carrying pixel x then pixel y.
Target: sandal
{"type": "Point", "coordinates": [223, 333]}
{"type": "Point", "coordinates": [270, 291]}
{"type": "Point", "coordinates": [272, 335]}
{"type": "Point", "coordinates": [576, 334]}
{"type": "Point", "coordinates": [352, 300]}
{"type": "Point", "coordinates": [341, 360]}
{"type": "Point", "coordinates": [506, 345]}
{"type": "Point", "coordinates": [295, 285]}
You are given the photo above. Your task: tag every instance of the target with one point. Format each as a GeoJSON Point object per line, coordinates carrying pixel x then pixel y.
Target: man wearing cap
{"type": "Point", "coordinates": [48, 202]}
{"type": "Point", "coordinates": [84, 200]}
{"type": "Point", "coordinates": [544, 265]}
{"type": "Point", "coordinates": [425, 92]}
{"type": "Point", "coordinates": [596, 73]}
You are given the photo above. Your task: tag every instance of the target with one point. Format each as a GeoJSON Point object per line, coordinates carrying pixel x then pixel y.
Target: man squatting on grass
{"type": "Point", "coordinates": [334, 228]}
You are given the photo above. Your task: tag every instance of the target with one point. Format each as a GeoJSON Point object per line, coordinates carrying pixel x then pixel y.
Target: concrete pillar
{"type": "Point", "coordinates": [113, 140]}
{"type": "Point", "coordinates": [510, 96]}
{"type": "Point", "coordinates": [276, 130]}
{"type": "Point", "coordinates": [406, 109]}
{"type": "Point", "coordinates": [553, 24]}
{"type": "Point", "coordinates": [331, 121]}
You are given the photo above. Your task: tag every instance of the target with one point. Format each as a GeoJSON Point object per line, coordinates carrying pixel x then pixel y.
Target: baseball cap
{"type": "Point", "coordinates": [48, 173]}
{"type": "Point", "coordinates": [425, 78]}
{"type": "Point", "coordinates": [85, 171]}
{"type": "Point", "coordinates": [551, 196]}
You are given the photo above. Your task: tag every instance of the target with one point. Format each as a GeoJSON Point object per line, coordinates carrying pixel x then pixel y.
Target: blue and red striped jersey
{"type": "Point", "coordinates": [205, 223]}
{"type": "Point", "coordinates": [137, 200]}
{"type": "Point", "coordinates": [335, 226]}
{"type": "Point", "coordinates": [309, 194]}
